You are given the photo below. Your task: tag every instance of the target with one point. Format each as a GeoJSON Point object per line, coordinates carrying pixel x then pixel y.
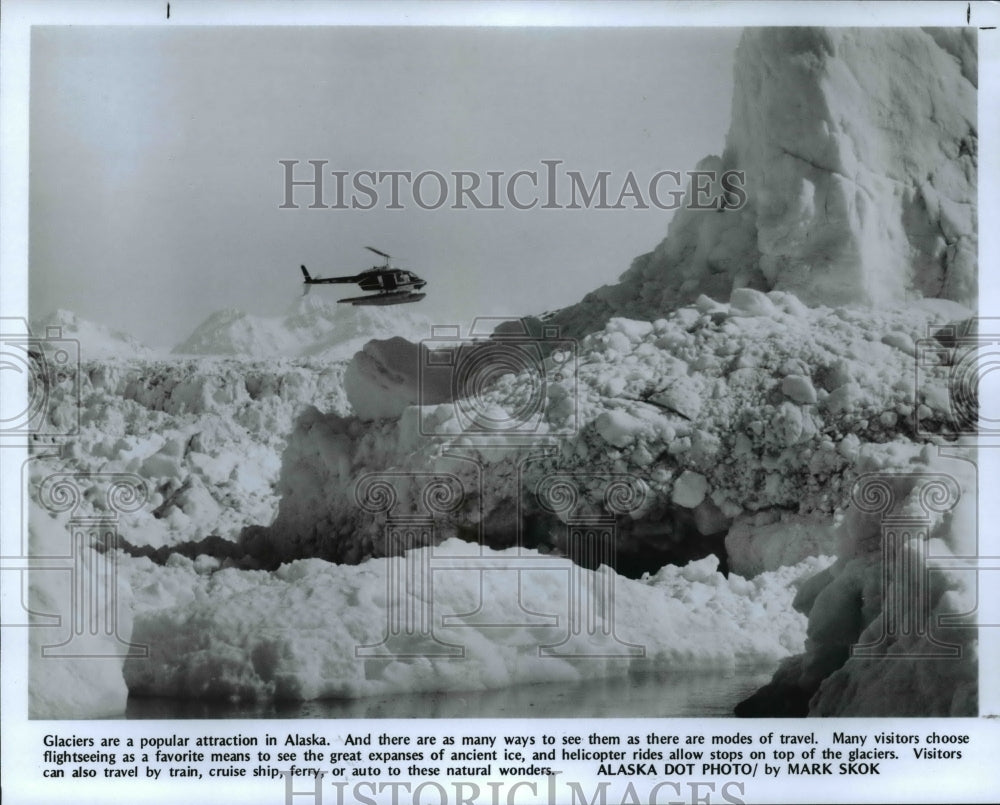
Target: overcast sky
{"type": "Point", "coordinates": [156, 185]}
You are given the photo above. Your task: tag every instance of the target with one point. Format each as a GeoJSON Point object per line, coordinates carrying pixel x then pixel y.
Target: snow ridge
{"type": "Point", "coordinates": [96, 342]}
{"type": "Point", "coordinates": [311, 327]}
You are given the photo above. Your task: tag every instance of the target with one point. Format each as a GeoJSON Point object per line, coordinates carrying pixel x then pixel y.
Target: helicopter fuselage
{"type": "Point", "coordinates": [378, 279]}
{"type": "Point", "coordinates": [390, 285]}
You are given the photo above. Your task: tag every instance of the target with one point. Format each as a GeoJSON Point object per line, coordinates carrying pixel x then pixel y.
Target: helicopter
{"type": "Point", "coordinates": [394, 286]}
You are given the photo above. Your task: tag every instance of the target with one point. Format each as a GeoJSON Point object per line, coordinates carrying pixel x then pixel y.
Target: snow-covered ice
{"type": "Point", "coordinates": [695, 404]}
{"type": "Point", "coordinates": [742, 378]}
{"type": "Point", "coordinates": [293, 634]}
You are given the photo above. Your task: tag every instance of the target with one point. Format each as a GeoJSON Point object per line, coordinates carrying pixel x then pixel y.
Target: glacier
{"type": "Point", "coordinates": [740, 380]}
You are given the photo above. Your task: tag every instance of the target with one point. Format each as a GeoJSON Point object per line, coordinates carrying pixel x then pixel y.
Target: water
{"type": "Point", "coordinates": [660, 694]}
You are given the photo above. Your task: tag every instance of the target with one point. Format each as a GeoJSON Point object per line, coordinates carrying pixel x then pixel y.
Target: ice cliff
{"type": "Point", "coordinates": [859, 149]}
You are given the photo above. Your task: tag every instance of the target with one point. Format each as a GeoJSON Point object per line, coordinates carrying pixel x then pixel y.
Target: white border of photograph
{"type": "Point", "coordinates": [975, 779]}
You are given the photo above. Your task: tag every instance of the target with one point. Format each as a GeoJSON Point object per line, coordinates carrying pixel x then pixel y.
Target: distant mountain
{"type": "Point", "coordinates": [96, 341]}
{"type": "Point", "coordinates": [311, 327]}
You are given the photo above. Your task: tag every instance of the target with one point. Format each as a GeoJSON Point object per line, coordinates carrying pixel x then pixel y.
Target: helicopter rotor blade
{"type": "Point", "coordinates": [381, 254]}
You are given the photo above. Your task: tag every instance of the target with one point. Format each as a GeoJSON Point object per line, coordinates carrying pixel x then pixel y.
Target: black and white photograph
{"type": "Point", "coordinates": [538, 403]}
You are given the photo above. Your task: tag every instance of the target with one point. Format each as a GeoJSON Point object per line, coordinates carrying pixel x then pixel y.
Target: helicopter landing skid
{"type": "Point", "coordinates": [391, 298]}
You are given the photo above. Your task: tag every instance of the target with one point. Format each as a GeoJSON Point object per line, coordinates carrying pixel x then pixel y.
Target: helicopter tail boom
{"type": "Point", "coordinates": [308, 279]}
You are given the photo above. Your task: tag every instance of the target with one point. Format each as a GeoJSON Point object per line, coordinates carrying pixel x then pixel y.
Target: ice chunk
{"type": "Point", "coordinates": [799, 388]}
{"type": "Point", "coordinates": [618, 428]}
{"type": "Point", "coordinates": [900, 341]}
{"type": "Point", "coordinates": [746, 301]}
{"type": "Point", "coordinates": [689, 489]}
